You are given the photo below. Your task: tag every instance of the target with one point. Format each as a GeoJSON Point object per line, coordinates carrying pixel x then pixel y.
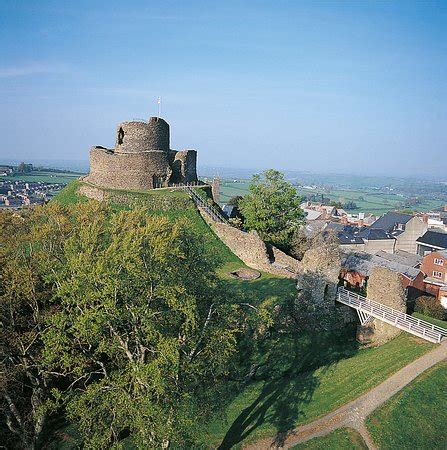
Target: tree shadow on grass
{"type": "Point", "coordinates": [292, 382]}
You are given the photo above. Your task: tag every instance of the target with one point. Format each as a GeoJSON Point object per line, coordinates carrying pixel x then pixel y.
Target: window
{"type": "Point", "coordinates": [439, 261]}
{"type": "Point", "coordinates": [437, 274]}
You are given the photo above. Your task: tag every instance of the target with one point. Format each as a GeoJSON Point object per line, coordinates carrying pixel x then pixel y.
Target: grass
{"type": "Point", "coordinates": [414, 418]}
{"type": "Point", "coordinates": [300, 376]}
{"type": "Point", "coordinates": [69, 195]}
{"type": "Point", "coordinates": [303, 377]}
{"type": "Point", "coordinates": [437, 322]}
{"type": "Point", "coordinates": [341, 439]}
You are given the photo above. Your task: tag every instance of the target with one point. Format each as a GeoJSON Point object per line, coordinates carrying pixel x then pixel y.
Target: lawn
{"type": "Point", "coordinates": [414, 418]}
{"type": "Point", "coordinates": [437, 322]}
{"type": "Point", "coordinates": [341, 439]}
{"type": "Point", "coordinates": [303, 377]}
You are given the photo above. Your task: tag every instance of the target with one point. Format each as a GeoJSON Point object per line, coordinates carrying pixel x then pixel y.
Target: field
{"type": "Point", "coordinates": [415, 417]}
{"type": "Point", "coordinates": [45, 177]}
{"type": "Point", "coordinates": [367, 200]}
{"type": "Point", "coordinates": [341, 439]}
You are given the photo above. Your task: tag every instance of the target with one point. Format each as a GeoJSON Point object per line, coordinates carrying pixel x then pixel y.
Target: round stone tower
{"type": "Point", "coordinates": [138, 136]}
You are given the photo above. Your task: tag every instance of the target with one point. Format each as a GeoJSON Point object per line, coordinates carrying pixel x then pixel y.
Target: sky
{"type": "Point", "coordinates": [320, 86]}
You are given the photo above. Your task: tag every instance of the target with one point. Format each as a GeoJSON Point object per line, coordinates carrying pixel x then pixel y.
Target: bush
{"type": "Point", "coordinates": [430, 306]}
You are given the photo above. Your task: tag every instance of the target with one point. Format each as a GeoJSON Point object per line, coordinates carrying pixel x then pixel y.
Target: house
{"type": "Point", "coordinates": [362, 238]}
{"type": "Point", "coordinates": [431, 241]}
{"type": "Point", "coordinates": [377, 240]}
{"type": "Point", "coordinates": [406, 229]}
{"type": "Point", "coordinates": [311, 214]}
{"type": "Point", "coordinates": [358, 266]}
{"type": "Point", "coordinates": [434, 267]}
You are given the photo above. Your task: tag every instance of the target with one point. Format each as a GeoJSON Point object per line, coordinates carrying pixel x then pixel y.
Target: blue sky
{"type": "Point", "coordinates": [350, 86]}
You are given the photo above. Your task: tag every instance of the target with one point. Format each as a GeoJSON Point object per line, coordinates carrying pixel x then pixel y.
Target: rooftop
{"type": "Point", "coordinates": [434, 238]}
{"type": "Point", "coordinates": [364, 263]}
{"type": "Point", "coordinates": [389, 220]}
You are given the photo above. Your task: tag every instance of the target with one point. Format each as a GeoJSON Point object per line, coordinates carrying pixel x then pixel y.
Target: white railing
{"type": "Point", "coordinates": [391, 316]}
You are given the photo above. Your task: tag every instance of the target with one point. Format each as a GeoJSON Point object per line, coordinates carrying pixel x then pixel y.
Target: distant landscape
{"type": "Point", "coordinates": [375, 195]}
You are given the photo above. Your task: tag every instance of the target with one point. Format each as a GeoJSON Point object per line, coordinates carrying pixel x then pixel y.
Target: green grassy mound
{"type": "Point", "coordinates": [414, 418]}
{"type": "Point", "coordinates": [342, 439]}
{"type": "Point", "coordinates": [305, 377]}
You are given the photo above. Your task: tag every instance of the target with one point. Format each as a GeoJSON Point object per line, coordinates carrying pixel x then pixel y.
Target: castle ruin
{"type": "Point", "coordinates": [142, 159]}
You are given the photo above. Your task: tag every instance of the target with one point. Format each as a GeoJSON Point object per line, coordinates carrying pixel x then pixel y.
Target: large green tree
{"type": "Point", "coordinates": [272, 208]}
{"type": "Point", "coordinates": [127, 328]}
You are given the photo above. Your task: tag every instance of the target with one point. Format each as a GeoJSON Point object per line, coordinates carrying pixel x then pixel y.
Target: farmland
{"type": "Point", "coordinates": [368, 200]}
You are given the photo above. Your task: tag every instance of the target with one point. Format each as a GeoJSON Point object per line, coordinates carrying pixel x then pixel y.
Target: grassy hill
{"type": "Point", "coordinates": [300, 376]}
{"type": "Point", "coordinates": [416, 416]}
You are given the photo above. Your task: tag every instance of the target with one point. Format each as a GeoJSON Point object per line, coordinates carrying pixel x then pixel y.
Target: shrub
{"type": "Point", "coordinates": [430, 306]}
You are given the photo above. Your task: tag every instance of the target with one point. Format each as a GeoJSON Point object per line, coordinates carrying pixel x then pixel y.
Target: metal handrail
{"type": "Point", "coordinates": [387, 314]}
{"type": "Point", "coordinates": [211, 211]}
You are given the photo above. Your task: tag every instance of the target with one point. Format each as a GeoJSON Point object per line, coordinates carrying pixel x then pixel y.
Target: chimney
{"type": "Point", "coordinates": [425, 218]}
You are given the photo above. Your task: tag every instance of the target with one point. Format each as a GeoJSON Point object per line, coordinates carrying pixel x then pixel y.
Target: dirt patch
{"type": "Point", "coordinates": [245, 274]}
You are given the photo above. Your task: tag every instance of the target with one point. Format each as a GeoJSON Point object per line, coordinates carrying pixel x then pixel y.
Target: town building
{"type": "Point", "coordinates": [358, 266]}
{"type": "Point", "coordinates": [431, 241]}
{"type": "Point", "coordinates": [405, 228]}
{"type": "Point", "coordinates": [434, 267]}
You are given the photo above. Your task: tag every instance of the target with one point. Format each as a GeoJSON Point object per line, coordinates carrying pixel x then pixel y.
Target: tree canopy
{"type": "Point", "coordinates": [272, 208]}
{"type": "Point", "coordinates": [116, 318]}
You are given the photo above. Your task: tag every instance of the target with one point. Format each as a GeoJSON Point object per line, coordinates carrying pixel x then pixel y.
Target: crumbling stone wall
{"type": "Point", "coordinates": [249, 247]}
{"type": "Point", "coordinates": [384, 286]}
{"type": "Point", "coordinates": [151, 202]}
{"type": "Point", "coordinates": [183, 164]}
{"type": "Point", "coordinates": [137, 136]}
{"type": "Point", "coordinates": [128, 170]}
{"type": "Point", "coordinates": [317, 281]}
{"type": "Point", "coordinates": [141, 159]}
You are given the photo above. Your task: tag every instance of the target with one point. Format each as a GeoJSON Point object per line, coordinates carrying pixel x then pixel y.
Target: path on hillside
{"type": "Point", "coordinates": [354, 413]}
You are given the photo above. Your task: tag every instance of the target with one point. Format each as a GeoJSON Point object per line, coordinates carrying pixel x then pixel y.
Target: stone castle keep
{"type": "Point", "coordinates": [141, 159]}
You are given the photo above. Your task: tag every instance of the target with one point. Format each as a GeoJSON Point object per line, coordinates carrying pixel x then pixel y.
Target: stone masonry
{"type": "Point", "coordinates": [384, 287]}
{"type": "Point", "coordinates": [142, 159]}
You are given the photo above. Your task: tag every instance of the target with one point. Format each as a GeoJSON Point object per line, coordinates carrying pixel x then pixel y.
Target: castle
{"type": "Point", "coordinates": [141, 159]}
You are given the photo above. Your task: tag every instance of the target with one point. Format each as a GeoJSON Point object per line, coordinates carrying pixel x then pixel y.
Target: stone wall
{"type": "Point", "coordinates": [128, 170]}
{"type": "Point", "coordinates": [250, 248]}
{"type": "Point", "coordinates": [137, 136]}
{"type": "Point", "coordinates": [141, 159]}
{"type": "Point", "coordinates": [147, 200]}
{"type": "Point", "coordinates": [183, 164]}
{"type": "Point", "coordinates": [384, 286]}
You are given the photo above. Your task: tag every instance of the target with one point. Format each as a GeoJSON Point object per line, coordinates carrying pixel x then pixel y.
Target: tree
{"type": "Point", "coordinates": [272, 208]}
{"type": "Point", "coordinates": [118, 319]}
{"type": "Point", "coordinates": [26, 381]}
